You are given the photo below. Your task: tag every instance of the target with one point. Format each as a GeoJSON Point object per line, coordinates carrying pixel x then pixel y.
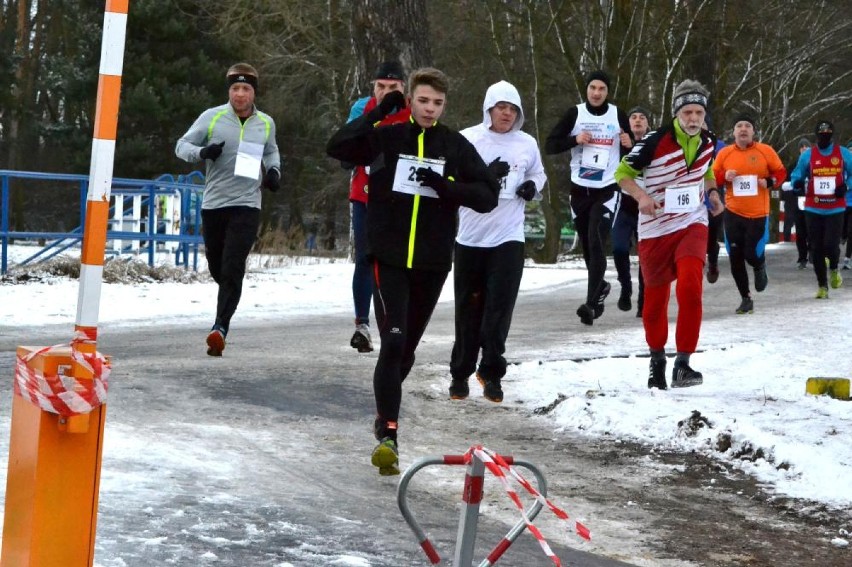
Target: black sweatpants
{"type": "Point", "coordinates": [229, 233]}
{"type": "Point", "coordinates": [403, 301]}
{"type": "Point", "coordinates": [745, 240]}
{"type": "Point", "coordinates": [486, 283]}
{"type": "Point", "coordinates": [824, 232]}
{"type": "Point", "coordinates": [593, 222]}
{"type": "Point", "coordinates": [714, 223]}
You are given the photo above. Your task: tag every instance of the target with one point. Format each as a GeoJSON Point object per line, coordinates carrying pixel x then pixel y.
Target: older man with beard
{"type": "Point", "coordinates": [675, 163]}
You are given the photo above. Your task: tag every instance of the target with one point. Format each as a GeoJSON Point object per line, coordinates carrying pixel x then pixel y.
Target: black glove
{"type": "Point", "coordinates": [211, 151]}
{"type": "Point", "coordinates": [799, 187]}
{"type": "Point", "coordinates": [272, 179]}
{"type": "Point", "coordinates": [392, 101]}
{"type": "Point", "coordinates": [430, 178]}
{"type": "Point", "coordinates": [840, 191]}
{"type": "Point", "coordinates": [526, 190]}
{"type": "Point", "coordinates": [498, 168]}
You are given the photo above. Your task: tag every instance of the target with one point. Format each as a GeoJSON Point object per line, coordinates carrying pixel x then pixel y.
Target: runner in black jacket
{"type": "Point", "coordinates": [420, 173]}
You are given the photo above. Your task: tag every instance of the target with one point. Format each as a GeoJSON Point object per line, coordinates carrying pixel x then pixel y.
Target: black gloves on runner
{"type": "Point", "coordinates": [211, 151]}
{"type": "Point", "coordinates": [840, 191]}
{"type": "Point", "coordinates": [526, 190]}
{"type": "Point", "coordinates": [430, 178]}
{"type": "Point", "coordinates": [799, 187]}
{"type": "Point", "coordinates": [391, 102]}
{"type": "Point", "coordinates": [498, 168]}
{"type": "Point", "coordinates": [272, 179]}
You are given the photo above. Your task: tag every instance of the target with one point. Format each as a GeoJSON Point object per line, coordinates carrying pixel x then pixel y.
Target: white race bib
{"type": "Point", "coordinates": [249, 158]}
{"type": "Point", "coordinates": [825, 185]}
{"type": "Point", "coordinates": [594, 157]}
{"type": "Point", "coordinates": [745, 185]}
{"type": "Point", "coordinates": [406, 168]}
{"type": "Point", "coordinates": [682, 198]}
{"type": "Point", "coordinates": [510, 183]}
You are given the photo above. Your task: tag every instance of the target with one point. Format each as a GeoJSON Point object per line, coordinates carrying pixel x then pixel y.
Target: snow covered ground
{"type": "Point", "coordinates": [762, 420]}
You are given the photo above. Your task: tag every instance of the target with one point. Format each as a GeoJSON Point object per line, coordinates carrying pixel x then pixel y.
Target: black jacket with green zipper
{"type": "Point", "coordinates": [411, 231]}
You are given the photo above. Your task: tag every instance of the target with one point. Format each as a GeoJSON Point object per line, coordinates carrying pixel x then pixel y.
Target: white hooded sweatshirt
{"type": "Point", "coordinates": [521, 152]}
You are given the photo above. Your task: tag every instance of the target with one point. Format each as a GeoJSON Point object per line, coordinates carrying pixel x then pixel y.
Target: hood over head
{"type": "Point", "coordinates": [502, 91]}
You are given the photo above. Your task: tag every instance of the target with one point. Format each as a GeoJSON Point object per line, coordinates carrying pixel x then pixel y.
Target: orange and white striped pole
{"type": "Point", "coordinates": [58, 414]}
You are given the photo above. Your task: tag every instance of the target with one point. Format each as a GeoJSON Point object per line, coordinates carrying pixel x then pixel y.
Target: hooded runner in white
{"type": "Point", "coordinates": [521, 152]}
{"type": "Point", "coordinates": [489, 252]}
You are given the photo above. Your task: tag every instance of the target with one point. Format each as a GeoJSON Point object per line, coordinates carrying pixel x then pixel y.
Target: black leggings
{"type": "Point", "coordinates": [486, 284]}
{"type": "Point", "coordinates": [593, 222]}
{"type": "Point", "coordinates": [824, 238]}
{"type": "Point", "coordinates": [403, 301]}
{"type": "Point", "coordinates": [229, 233]}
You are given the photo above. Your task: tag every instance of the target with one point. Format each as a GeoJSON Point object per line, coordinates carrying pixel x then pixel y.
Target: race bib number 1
{"type": "Point", "coordinates": [406, 168]}
{"type": "Point", "coordinates": [682, 198]}
{"type": "Point", "coordinates": [594, 157]}
{"type": "Point", "coordinates": [825, 185]}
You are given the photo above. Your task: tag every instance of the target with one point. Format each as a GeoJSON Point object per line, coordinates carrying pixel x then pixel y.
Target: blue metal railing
{"type": "Point", "coordinates": [188, 186]}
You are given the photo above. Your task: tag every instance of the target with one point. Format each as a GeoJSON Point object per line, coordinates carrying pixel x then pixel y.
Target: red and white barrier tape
{"type": "Point", "coordinates": [496, 464]}
{"type": "Point", "coordinates": [64, 395]}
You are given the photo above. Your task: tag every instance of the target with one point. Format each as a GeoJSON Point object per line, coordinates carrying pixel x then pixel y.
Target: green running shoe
{"type": "Point", "coordinates": [386, 457]}
{"type": "Point", "coordinates": [822, 293]}
{"type": "Point", "coordinates": [835, 279]}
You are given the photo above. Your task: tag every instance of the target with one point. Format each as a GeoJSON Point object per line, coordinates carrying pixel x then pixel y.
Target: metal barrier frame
{"type": "Point", "coordinates": [472, 495]}
{"type": "Point", "coordinates": [188, 185]}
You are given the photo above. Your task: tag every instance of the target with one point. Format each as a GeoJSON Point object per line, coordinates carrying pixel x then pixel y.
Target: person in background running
{"type": "Point", "coordinates": [489, 252]}
{"type": "Point", "coordinates": [847, 231]}
{"type": "Point", "coordinates": [714, 222]}
{"type": "Point", "coordinates": [598, 134]}
{"type": "Point", "coordinates": [795, 216]}
{"type": "Point", "coordinates": [625, 226]}
{"type": "Point", "coordinates": [421, 172]}
{"type": "Point", "coordinates": [823, 174]}
{"type": "Point", "coordinates": [230, 209]}
{"type": "Point", "coordinates": [748, 170]}
{"type": "Point", "coordinates": [675, 161]}
{"type": "Point", "coordinates": [389, 77]}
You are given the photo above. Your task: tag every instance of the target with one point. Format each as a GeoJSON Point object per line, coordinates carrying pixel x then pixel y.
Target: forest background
{"type": "Point", "coordinates": [787, 62]}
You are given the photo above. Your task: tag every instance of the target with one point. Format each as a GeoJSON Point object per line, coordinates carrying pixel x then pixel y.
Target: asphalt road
{"type": "Point", "coordinates": [262, 457]}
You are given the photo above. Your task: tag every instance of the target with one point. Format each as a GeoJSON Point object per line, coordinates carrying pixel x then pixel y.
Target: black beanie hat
{"type": "Point", "coordinates": [745, 117]}
{"type": "Point", "coordinates": [390, 70]}
{"type": "Point", "coordinates": [824, 126]}
{"type": "Point", "coordinates": [598, 75]}
{"type": "Point", "coordinates": [639, 110]}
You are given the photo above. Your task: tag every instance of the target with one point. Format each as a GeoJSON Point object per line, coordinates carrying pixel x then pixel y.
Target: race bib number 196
{"type": "Point", "coordinates": [682, 198]}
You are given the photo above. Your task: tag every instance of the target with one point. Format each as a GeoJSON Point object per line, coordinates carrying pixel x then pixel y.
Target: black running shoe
{"type": "Point", "coordinates": [459, 389]}
{"type": "Point", "coordinates": [746, 306]}
{"type": "Point", "coordinates": [598, 307]}
{"type": "Point", "coordinates": [491, 389]}
{"type": "Point", "coordinates": [761, 280]}
{"type": "Point", "coordinates": [624, 302]}
{"type": "Point", "coordinates": [712, 273]}
{"type": "Point", "coordinates": [657, 374]}
{"type": "Point", "coordinates": [683, 376]}
{"type": "Point", "coordinates": [586, 314]}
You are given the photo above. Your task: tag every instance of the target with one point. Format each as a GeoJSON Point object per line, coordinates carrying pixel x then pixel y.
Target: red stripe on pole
{"type": "Point", "coordinates": [455, 459]}
{"type": "Point", "coordinates": [94, 233]}
{"type": "Point", "coordinates": [429, 549]}
{"type": "Point", "coordinates": [472, 493]}
{"type": "Point", "coordinates": [498, 551]}
{"type": "Point", "coordinates": [106, 117]}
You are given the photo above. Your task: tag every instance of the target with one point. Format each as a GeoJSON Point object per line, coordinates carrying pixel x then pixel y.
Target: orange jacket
{"type": "Point", "coordinates": [757, 159]}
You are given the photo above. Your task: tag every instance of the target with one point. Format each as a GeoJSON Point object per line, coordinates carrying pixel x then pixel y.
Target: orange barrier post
{"type": "Point", "coordinates": [58, 410]}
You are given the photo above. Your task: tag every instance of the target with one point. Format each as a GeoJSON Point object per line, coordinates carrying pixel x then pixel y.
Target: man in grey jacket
{"type": "Point", "coordinates": [237, 143]}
